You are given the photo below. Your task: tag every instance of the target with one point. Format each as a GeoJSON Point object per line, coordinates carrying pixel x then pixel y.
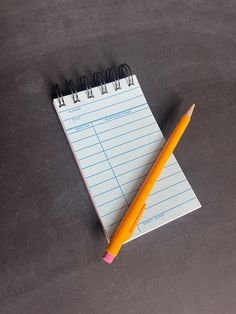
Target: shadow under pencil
{"type": "Point", "coordinates": [170, 110]}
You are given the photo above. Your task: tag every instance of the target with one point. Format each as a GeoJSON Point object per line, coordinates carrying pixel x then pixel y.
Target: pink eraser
{"type": "Point", "coordinates": [108, 257]}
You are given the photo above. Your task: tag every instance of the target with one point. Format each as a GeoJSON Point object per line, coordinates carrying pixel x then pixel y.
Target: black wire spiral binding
{"type": "Point", "coordinates": [59, 96]}
{"type": "Point", "coordinates": [99, 79]}
{"type": "Point", "coordinates": [87, 85]}
{"type": "Point", "coordinates": [125, 71]}
{"type": "Point", "coordinates": [111, 75]}
{"type": "Point", "coordinates": [73, 90]}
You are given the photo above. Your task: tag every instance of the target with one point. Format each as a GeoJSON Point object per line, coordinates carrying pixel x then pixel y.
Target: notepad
{"type": "Point", "coordinates": [115, 140]}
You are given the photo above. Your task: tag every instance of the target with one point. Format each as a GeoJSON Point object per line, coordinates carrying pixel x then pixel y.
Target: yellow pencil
{"type": "Point", "coordinates": [135, 211]}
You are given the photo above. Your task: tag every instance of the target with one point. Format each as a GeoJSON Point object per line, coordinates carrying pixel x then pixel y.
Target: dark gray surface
{"type": "Point", "coordinates": [50, 240]}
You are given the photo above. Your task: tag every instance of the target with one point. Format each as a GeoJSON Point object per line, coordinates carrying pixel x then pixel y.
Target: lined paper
{"type": "Point", "coordinates": [115, 140]}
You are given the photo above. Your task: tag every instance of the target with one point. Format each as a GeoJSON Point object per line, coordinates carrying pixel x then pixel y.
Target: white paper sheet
{"type": "Point", "coordinates": [115, 140]}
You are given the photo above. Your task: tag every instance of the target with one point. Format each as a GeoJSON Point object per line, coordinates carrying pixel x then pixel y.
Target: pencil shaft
{"type": "Point", "coordinates": [135, 211]}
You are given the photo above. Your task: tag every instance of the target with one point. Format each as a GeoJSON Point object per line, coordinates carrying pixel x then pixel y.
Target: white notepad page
{"type": "Point", "coordinates": [115, 140]}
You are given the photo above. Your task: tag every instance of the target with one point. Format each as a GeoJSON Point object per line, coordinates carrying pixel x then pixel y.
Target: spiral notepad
{"type": "Point", "coordinates": [115, 140]}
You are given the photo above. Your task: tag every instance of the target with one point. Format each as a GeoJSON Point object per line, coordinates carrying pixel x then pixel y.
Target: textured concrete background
{"type": "Point", "coordinates": [50, 239]}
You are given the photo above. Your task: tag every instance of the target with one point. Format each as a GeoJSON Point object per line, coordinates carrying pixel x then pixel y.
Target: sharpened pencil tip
{"type": "Point", "coordinates": [190, 111]}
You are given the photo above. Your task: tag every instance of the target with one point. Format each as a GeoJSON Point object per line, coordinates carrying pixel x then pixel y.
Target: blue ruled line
{"type": "Point", "coordinates": [150, 194]}
{"type": "Point", "coordinates": [169, 198]}
{"type": "Point", "coordinates": [96, 163]}
{"type": "Point", "coordinates": [174, 163]}
{"type": "Point", "coordinates": [144, 166]}
{"type": "Point", "coordinates": [157, 180]}
{"type": "Point", "coordinates": [170, 186]}
{"type": "Point", "coordinates": [114, 223]}
{"type": "Point", "coordinates": [115, 157]}
{"type": "Point", "coordinates": [119, 145]}
{"type": "Point", "coordinates": [136, 178]}
{"type": "Point", "coordinates": [142, 127]}
{"type": "Point", "coordinates": [114, 199]}
{"type": "Point", "coordinates": [169, 209]}
{"type": "Point", "coordinates": [130, 150]}
{"type": "Point", "coordinates": [114, 114]}
{"type": "Point", "coordinates": [116, 127]}
{"type": "Point", "coordinates": [91, 155]}
{"type": "Point", "coordinates": [92, 175]}
{"type": "Point", "coordinates": [134, 139]}
{"type": "Point", "coordinates": [124, 163]}
{"type": "Point", "coordinates": [117, 187]}
{"type": "Point", "coordinates": [114, 212]}
{"type": "Point", "coordinates": [84, 138]}
{"type": "Point", "coordinates": [91, 102]}
{"type": "Point", "coordinates": [114, 104]}
{"type": "Point", "coordinates": [160, 214]}
{"type": "Point", "coordinates": [136, 190]}
{"type": "Point", "coordinates": [86, 147]}
{"type": "Point", "coordinates": [109, 164]}
{"type": "Point", "coordinates": [111, 138]}
{"type": "Point", "coordinates": [111, 128]}
{"type": "Point", "coordinates": [154, 151]}
{"type": "Point", "coordinates": [131, 170]}
{"type": "Point", "coordinates": [92, 186]}
{"type": "Point", "coordinates": [105, 117]}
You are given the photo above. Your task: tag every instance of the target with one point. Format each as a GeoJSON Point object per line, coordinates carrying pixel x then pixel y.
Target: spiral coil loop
{"type": "Point", "coordinates": [87, 85]}
{"type": "Point", "coordinates": [99, 79]}
{"type": "Point", "coordinates": [73, 90]}
{"type": "Point", "coordinates": [59, 96]}
{"type": "Point", "coordinates": [125, 71]}
{"type": "Point", "coordinates": [112, 75]}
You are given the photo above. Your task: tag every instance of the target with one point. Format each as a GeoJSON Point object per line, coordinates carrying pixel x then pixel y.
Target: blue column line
{"type": "Point", "coordinates": [109, 164]}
